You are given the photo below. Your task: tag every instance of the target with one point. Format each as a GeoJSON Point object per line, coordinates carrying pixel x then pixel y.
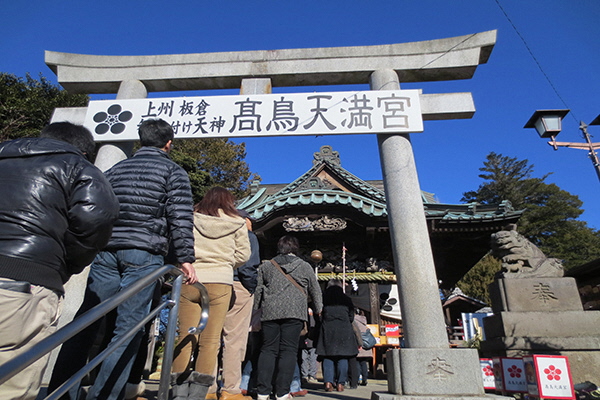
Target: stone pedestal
{"type": "Point", "coordinates": [433, 372]}
{"type": "Point", "coordinates": [543, 316]}
{"type": "Point", "coordinates": [391, 396]}
{"type": "Point", "coordinates": [418, 374]}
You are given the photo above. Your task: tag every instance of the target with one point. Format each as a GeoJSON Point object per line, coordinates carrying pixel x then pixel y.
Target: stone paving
{"type": "Point", "coordinates": [315, 391]}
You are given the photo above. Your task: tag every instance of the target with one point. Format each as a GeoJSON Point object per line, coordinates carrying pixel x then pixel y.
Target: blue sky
{"type": "Point", "coordinates": [562, 35]}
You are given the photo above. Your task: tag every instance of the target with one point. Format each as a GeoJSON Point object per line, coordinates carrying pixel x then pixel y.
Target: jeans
{"type": "Point", "coordinates": [249, 374]}
{"type": "Point", "coordinates": [363, 366]}
{"type": "Point", "coordinates": [280, 350]}
{"type": "Point", "coordinates": [335, 370]}
{"type": "Point", "coordinates": [296, 384]}
{"type": "Point", "coordinates": [246, 371]}
{"type": "Point", "coordinates": [309, 365]}
{"type": "Point", "coordinates": [111, 272]}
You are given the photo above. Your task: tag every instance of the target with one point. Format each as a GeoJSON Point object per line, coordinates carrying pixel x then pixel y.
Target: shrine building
{"type": "Point", "coordinates": [342, 222]}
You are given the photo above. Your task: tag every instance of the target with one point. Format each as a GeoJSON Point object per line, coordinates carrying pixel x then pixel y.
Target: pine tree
{"type": "Point", "coordinates": [214, 162]}
{"type": "Point", "coordinates": [26, 104]}
{"type": "Point", "coordinates": [550, 217]}
{"type": "Point", "coordinates": [549, 221]}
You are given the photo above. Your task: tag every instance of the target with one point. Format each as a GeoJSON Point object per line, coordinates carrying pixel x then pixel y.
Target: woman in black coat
{"type": "Point", "coordinates": [337, 341]}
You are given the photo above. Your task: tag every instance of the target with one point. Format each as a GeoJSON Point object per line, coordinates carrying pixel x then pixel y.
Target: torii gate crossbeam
{"type": "Point", "coordinates": [434, 60]}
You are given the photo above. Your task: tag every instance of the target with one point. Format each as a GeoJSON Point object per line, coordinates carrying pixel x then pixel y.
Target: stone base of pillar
{"type": "Point", "coordinates": [391, 396]}
{"type": "Point", "coordinates": [434, 372]}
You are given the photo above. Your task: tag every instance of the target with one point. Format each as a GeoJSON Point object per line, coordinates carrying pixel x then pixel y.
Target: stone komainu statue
{"type": "Point", "coordinates": [521, 258]}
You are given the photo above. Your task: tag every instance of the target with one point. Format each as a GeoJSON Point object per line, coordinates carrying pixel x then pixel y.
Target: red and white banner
{"type": "Point", "coordinates": [487, 373]}
{"type": "Point", "coordinates": [510, 375]}
{"type": "Point", "coordinates": [549, 377]}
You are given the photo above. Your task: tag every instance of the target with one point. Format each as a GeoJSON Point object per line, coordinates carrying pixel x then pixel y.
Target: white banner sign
{"type": "Point", "coordinates": [285, 114]}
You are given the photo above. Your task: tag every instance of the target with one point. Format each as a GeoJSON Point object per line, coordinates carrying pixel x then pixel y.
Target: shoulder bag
{"type": "Point", "coordinates": [304, 331]}
{"type": "Point", "coordinates": [368, 340]}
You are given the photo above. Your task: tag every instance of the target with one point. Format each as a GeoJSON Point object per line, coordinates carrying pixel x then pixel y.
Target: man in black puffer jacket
{"type": "Point", "coordinates": [56, 213]}
{"type": "Point", "coordinates": [155, 211]}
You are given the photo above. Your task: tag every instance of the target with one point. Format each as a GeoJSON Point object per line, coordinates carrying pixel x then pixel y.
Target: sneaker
{"type": "Point", "coordinates": [312, 379]}
{"type": "Point", "coordinates": [285, 397]}
{"type": "Point", "coordinates": [262, 397]}
{"type": "Point", "coordinates": [133, 390]}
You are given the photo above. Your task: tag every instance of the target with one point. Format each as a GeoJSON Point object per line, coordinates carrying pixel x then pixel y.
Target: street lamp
{"type": "Point", "coordinates": [548, 125]}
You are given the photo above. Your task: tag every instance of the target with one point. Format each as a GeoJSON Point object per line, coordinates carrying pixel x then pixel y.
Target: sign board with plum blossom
{"type": "Point", "coordinates": [510, 375]}
{"type": "Point", "coordinates": [549, 377]}
{"type": "Point", "coordinates": [322, 113]}
{"type": "Point", "coordinates": [487, 373]}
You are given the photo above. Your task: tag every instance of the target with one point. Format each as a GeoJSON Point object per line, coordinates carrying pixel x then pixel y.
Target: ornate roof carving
{"type": "Point", "coordinates": [324, 223]}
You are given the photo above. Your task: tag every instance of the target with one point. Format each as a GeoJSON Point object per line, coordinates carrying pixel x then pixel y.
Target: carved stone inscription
{"type": "Point", "coordinates": [439, 369]}
{"type": "Point", "coordinates": [543, 293]}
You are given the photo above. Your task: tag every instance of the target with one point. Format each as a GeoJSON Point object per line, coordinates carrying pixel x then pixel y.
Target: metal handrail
{"type": "Point", "coordinates": [17, 364]}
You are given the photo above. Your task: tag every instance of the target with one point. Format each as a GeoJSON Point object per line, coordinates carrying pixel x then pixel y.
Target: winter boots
{"type": "Point", "coordinates": [190, 385]}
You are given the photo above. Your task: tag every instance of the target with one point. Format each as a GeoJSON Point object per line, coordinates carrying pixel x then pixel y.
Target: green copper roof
{"type": "Point", "coordinates": [310, 190]}
{"type": "Point", "coordinates": [314, 197]}
{"type": "Point", "coordinates": [358, 184]}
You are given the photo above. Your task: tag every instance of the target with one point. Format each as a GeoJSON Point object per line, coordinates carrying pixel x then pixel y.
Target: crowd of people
{"type": "Point", "coordinates": [270, 324]}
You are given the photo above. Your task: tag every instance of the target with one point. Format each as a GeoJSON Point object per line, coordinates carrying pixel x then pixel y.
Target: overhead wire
{"type": "Point", "coordinates": [539, 65]}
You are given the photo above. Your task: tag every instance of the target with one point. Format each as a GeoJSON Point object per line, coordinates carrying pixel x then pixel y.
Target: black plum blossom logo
{"type": "Point", "coordinates": [112, 120]}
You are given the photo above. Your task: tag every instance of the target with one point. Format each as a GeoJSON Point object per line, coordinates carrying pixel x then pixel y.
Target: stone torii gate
{"type": "Point", "coordinates": [427, 366]}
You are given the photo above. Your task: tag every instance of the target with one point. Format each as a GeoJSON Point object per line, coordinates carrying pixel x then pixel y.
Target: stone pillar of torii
{"type": "Point", "coordinates": [426, 366]}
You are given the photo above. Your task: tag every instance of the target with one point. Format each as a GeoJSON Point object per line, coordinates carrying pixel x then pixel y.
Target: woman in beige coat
{"type": "Point", "coordinates": [221, 244]}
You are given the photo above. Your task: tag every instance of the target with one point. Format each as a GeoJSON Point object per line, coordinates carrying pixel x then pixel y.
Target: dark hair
{"type": "Point", "coordinates": [215, 198]}
{"type": "Point", "coordinates": [76, 135]}
{"type": "Point", "coordinates": [334, 296]}
{"type": "Point", "coordinates": [335, 282]}
{"type": "Point", "coordinates": [155, 133]}
{"type": "Point", "coordinates": [288, 244]}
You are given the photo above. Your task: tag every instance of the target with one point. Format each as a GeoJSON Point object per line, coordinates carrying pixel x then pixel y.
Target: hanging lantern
{"type": "Point", "coordinates": [316, 256]}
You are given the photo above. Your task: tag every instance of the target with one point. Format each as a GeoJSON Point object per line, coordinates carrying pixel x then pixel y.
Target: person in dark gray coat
{"type": "Point", "coordinates": [337, 341]}
{"type": "Point", "coordinates": [284, 312]}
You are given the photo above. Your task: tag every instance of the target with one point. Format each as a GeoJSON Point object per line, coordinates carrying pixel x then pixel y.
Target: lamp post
{"type": "Point", "coordinates": [548, 125]}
